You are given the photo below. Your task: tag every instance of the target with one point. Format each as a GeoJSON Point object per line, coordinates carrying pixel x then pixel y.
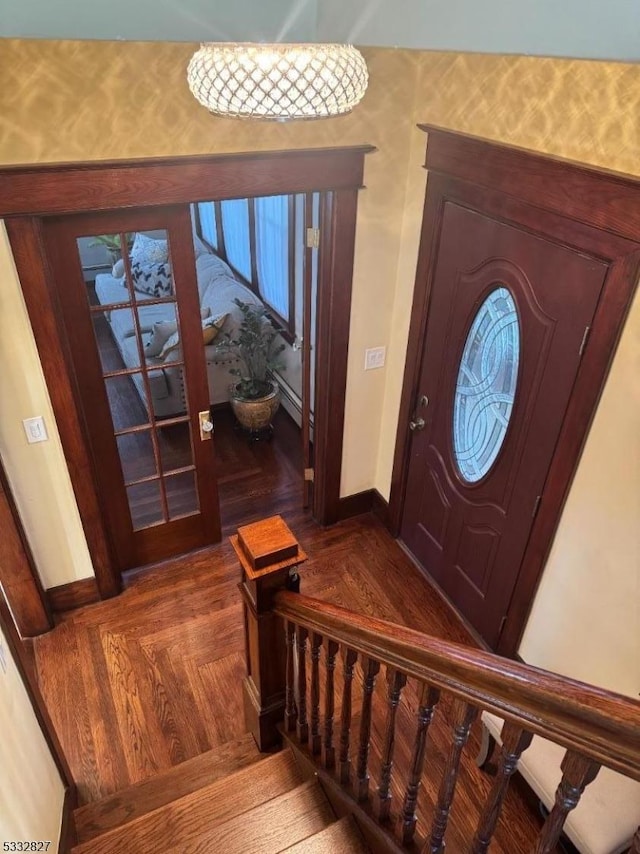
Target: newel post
{"type": "Point", "coordinates": [269, 555]}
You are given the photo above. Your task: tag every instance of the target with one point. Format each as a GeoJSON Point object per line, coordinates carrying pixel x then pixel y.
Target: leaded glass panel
{"type": "Point", "coordinates": [486, 385]}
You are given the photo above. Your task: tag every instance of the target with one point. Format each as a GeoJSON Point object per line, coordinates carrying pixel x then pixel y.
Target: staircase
{"type": "Point", "coordinates": [229, 800]}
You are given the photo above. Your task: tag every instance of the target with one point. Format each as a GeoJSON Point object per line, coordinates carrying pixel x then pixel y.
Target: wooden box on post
{"type": "Point", "coordinates": [268, 554]}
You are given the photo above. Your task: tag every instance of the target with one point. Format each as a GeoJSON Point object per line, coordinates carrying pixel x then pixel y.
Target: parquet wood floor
{"type": "Point", "coordinates": [142, 682]}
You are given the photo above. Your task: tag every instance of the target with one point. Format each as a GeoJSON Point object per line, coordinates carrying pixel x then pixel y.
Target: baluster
{"type": "Point", "coordinates": [577, 773]}
{"type": "Point", "coordinates": [635, 848]}
{"type": "Point", "coordinates": [514, 741]}
{"type": "Point", "coordinates": [290, 710]}
{"type": "Point", "coordinates": [302, 726]}
{"type": "Point", "coordinates": [395, 682]}
{"type": "Point", "coordinates": [349, 658]}
{"type": "Point", "coordinates": [315, 741]}
{"type": "Point", "coordinates": [426, 707]}
{"type": "Point", "coordinates": [464, 717]}
{"type": "Point", "coordinates": [329, 753]}
{"type": "Point", "coordinates": [370, 668]}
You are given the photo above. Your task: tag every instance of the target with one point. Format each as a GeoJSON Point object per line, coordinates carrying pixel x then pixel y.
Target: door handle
{"type": "Point", "coordinates": [418, 424]}
{"type": "Point", "coordinates": [206, 425]}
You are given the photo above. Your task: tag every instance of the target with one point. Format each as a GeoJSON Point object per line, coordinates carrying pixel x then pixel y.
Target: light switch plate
{"type": "Point", "coordinates": [35, 429]}
{"type": "Point", "coordinates": [374, 358]}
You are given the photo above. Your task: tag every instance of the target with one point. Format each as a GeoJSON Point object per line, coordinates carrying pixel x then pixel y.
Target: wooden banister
{"type": "Point", "coordinates": [335, 683]}
{"type": "Point", "coordinates": [596, 723]}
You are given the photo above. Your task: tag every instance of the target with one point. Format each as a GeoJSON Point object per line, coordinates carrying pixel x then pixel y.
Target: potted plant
{"type": "Point", "coordinates": [111, 243]}
{"type": "Point", "coordinates": [256, 397]}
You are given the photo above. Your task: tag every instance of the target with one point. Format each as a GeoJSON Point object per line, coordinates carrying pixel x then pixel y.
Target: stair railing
{"type": "Point", "coordinates": [596, 727]}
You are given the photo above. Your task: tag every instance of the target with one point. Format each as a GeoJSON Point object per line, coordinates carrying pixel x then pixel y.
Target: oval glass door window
{"type": "Point", "coordinates": [486, 385]}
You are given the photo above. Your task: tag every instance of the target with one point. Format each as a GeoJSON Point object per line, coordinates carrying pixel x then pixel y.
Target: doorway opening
{"type": "Point", "coordinates": [187, 200]}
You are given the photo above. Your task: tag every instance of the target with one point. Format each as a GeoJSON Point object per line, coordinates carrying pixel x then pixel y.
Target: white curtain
{"type": "Point", "coordinates": [207, 212]}
{"type": "Point", "coordinates": [272, 251]}
{"type": "Point", "coordinates": [235, 227]}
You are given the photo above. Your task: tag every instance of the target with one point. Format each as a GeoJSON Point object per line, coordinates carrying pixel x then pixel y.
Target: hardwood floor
{"type": "Point", "coordinates": [140, 683]}
{"type": "Point", "coordinates": [255, 479]}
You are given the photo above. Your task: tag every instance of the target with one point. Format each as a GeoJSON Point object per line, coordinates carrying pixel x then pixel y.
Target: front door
{"type": "Point", "coordinates": [135, 338]}
{"type": "Point", "coordinates": [508, 318]}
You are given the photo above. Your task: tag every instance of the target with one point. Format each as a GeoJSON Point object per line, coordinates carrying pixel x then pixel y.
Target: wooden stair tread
{"type": "Point", "coordinates": [269, 828]}
{"type": "Point", "coordinates": [342, 837]}
{"type": "Point", "coordinates": [141, 798]}
{"type": "Point", "coordinates": [200, 811]}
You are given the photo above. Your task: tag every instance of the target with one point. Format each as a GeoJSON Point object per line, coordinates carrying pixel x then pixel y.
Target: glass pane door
{"type": "Point", "coordinates": [137, 331]}
{"type": "Point", "coordinates": [131, 309]}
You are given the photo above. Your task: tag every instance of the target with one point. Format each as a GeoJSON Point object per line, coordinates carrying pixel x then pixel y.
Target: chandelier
{"type": "Point", "coordinates": [278, 81]}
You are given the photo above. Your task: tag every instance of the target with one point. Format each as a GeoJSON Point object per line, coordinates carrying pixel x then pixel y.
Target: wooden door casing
{"type": "Point", "coordinates": [29, 194]}
{"type": "Point", "coordinates": [470, 536]}
{"type": "Point", "coordinates": [584, 208]}
{"type": "Point", "coordinates": [135, 547]}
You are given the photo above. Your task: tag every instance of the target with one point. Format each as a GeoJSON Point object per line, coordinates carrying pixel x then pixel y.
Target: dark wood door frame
{"type": "Point", "coordinates": [27, 194]}
{"type": "Point", "coordinates": [18, 575]}
{"type": "Point", "coordinates": [484, 175]}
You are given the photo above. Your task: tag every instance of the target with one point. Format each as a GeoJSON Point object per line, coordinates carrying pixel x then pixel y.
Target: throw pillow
{"type": "Point", "coordinates": [210, 329]}
{"type": "Point", "coordinates": [147, 250]}
{"type": "Point", "coordinates": [163, 330]}
{"type": "Point", "coordinates": [118, 269]}
{"type": "Point", "coordinates": [154, 279]}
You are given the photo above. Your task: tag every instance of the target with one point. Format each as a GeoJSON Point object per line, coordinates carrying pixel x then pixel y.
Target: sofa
{"type": "Point", "coordinates": [217, 288]}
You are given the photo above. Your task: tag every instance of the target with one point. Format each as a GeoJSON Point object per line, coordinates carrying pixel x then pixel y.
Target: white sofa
{"type": "Point", "coordinates": [608, 813]}
{"type": "Point", "coordinates": [217, 288]}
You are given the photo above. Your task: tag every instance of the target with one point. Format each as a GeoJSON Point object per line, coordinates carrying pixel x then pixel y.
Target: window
{"type": "Point", "coordinates": [272, 251]}
{"type": "Point", "coordinates": [237, 241]}
{"type": "Point", "coordinates": [256, 238]}
{"type": "Point", "coordinates": [207, 216]}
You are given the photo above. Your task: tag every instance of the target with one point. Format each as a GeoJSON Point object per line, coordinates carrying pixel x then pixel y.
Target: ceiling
{"type": "Point", "coordinates": [576, 28]}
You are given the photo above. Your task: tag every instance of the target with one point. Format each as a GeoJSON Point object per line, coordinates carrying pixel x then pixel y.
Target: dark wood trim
{"type": "Point", "coordinates": [305, 398]}
{"type": "Point", "coordinates": [68, 835]}
{"type": "Point", "coordinates": [356, 504]}
{"type": "Point", "coordinates": [429, 238]}
{"type": "Point", "coordinates": [105, 185]}
{"type": "Point", "coordinates": [221, 250]}
{"type": "Point", "coordinates": [600, 724]}
{"type": "Point", "coordinates": [27, 671]}
{"type": "Point", "coordinates": [380, 506]}
{"type": "Point", "coordinates": [335, 273]}
{"type": "Point", "coordinates": [367, 501]}
{"type": "Point", "coordinates": [81, 188]}
{"type": "Point", "coordinates": [562, 200]}
{"type": "Point", "coordinates": [253, 256]}
{"type": "Point", "coordinates": [25, 237]}
{"type": "Point", "coordinates": [599, 197]}
{"type": "Point", "coordinates": [75, 594]}
{"type": "Point", "coordinates": [18, 573]}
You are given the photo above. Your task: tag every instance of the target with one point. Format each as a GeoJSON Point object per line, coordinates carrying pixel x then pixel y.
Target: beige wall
{"type": "Point", "coordinates": [74, 101]}
{"type": "Point", "coordinates": [586, 617]}
{"type": "Point", "coordinates": [31, 791]}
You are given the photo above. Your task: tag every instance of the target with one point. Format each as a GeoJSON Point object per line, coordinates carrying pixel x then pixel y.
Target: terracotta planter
{"type": "Point", "coordinates": [255, 415]}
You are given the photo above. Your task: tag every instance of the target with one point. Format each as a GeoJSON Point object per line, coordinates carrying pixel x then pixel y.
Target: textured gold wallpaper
{"type": "Point", "coordinates": [583, 110]}
{"type": "Point", "coordinates": [69, 100]}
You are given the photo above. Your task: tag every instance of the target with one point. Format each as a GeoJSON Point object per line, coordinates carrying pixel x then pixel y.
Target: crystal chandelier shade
{"type": "Point", "coordinates": [278, 81]}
